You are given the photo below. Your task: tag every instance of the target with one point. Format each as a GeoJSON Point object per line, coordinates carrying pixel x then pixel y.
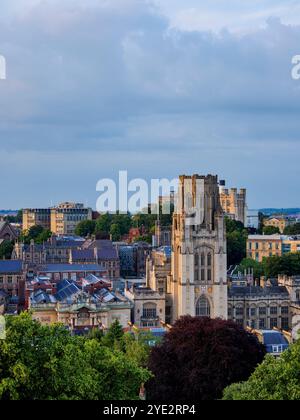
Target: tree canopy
{"type": "Point", "coordinates": [47, 363]}
{"type": "Point", "coordinates": [199, 357]}
{"type": "Point", "coordinates": [6, 248]}
{"type": "Point", "coordinates": [271, 230]}
{"type": "Point", "coordinates": [274, 379]}
{"type": "Point", "coordinates": [236, 236]}
{"type": "Point", "coordinates": [36, 233]}
{"type": "Point", "coordinates": [292, 229]}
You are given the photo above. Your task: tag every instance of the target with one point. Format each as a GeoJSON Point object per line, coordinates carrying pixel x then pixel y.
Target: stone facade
{"type": "Point", "coordinates": [197, 285]}
{"type": "Point", "coordinates": [60, 220]}
{"type": "Point", "coordinates": [234, 203]}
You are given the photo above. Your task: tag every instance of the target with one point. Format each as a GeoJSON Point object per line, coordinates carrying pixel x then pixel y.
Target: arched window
{"type": "Point", "coordinates": [196, 260]}
{"type": "Point", "coordinates": [297, 295]}
{"type": "Point", "coordinates": [203, 307]}
{"type": "Point", "coordinates": [149, 311]}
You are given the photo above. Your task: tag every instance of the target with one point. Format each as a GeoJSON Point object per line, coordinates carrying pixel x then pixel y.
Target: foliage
{"type": "Point", "coordinates": [236, 236]}
{"type": "Point", "coordinates": [271, 230]}
{"type": "Point", "coordinates": [288, 264]}
{"type": "Point", "coordinates": [15, 219]}
{"type": "Point", "coordinates": [116, 225]}
{"type": "Point", "coordinates": [274, 379]}
{"type": "Point", "coordinates": [36, 233]}
{"type": "Point", "coordinates": [144, 238]}
{"type": "Point", "coordinates": [199, 357]}
{"type": "Point", "coordinates": [47, 363]}
{"type": "Point", "coordinates": [292, 229]}
{"type": "Point", "coordinates": [6, 249]}
{"type": "Point", "coordinates": [85, 228]}
{"type": "Point", "coordinates": [257, 267]}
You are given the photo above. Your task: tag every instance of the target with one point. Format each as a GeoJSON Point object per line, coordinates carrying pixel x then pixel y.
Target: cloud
{"type": "Point", "coordinates": [119, 83]}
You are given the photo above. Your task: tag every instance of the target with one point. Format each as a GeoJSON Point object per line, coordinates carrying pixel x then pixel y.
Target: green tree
{"type": "Point", "coordinates": [249, 263]}
{"type": "Point", "coordinates": [292, 229]}
{"type": "Point", "coordinates": [36, 233]}
{"type": "Point", "coordinates": [288, 264]}
{"type": "Point", "coordinates": [6, 249]}
{"type": "Point", "coordinates": [115, 232]}
{"type": "Point", "coordinates": [271, 230]}
{"type": "Point", "coordinates": [47, 363]}
{"type": "Point", "coordinates": [123, 221]}
{"type": "Point", "coordinates": [274, 379]}
{"type": "Point", "coordinates": [103, 224]}
{"type": "Point", "coordinates": [236, 236]}
{"type": "Point", "coordinates": [114, 335]}
{"type": "Point", "coordinates": [85, 228]}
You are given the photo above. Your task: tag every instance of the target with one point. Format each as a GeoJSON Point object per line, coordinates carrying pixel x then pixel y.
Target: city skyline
{"type": "Point", "coordinates": [158, 88]}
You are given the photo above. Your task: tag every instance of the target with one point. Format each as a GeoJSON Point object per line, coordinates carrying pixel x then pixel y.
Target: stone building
{"type": "Point", "coordinates": [7, 232]}
{"type": "Point", "coordinates": [292, 284]}
{"type": "Point", "coordinates": [11, 276]}
{"type": "Point", "coordinates": [148, 306]}
{"type": "Point", "coordinates": [55, 251]}
{"type": "Point", "coordinates": [60, 220]}
{"type": "Point", "coordinates": [260, 307]}
{"type": "Point", "coordinates": [264, 246]}
{"type": "Point", "coordinates": [197, 285]}
{"type": "Point", "coordinates": [234, 203]}
{"type": "Point", "coordinates": [78, 310]}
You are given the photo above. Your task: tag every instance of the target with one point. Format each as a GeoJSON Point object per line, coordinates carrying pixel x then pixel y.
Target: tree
{"type": "Point", "coordinates": [292, 229]}
{"type": "Point", "coordinates": [249, 263]}
{"type": "Point", "coordinates": [36, 233]}
{"type": "Point", "coordinates": [236, 236]}
{"type": "Point", "coordinates": [47, 363]}
{"type": "Point", "coordinates": [274, 379]}
{"type": "Point", "coordinates": [271, 230]}
{"type": "Point", "coordinates": [115, 232]}
{"type": "Point", "coordinates": [114, 335]}
{"type": "Point", "coordinates": [103, 224]}
{"type": "Point", "coordinates": [85, 228]}
{"type": "Point", "coordinates": [288, 264]}
{"type": "Point", "coordinates": [199, 357]}
{"type": "Point", "coordinates": [6, 249]}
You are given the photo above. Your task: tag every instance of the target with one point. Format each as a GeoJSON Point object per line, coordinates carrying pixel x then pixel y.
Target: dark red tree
{"type": "Point", "coordinates": [199, 357]}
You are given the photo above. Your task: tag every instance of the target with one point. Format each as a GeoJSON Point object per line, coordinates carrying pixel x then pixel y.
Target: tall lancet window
{"type": "Point", "coordinates": [203, 307]}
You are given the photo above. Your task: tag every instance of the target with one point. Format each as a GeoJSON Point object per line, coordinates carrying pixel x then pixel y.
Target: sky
{"type": "Point", "coordinates": [155, 87]}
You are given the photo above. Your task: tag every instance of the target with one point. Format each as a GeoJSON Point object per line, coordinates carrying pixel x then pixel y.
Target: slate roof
{"type": "Point", "coordinates": [258, 291]}
{"type": "Point", "coordinates": [10, 266]}
{"type": "Point", "coordinates": [67, 268]}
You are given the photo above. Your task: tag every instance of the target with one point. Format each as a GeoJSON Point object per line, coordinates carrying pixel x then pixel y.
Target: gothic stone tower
{"type": "Point", "coordinates": [198, 282]}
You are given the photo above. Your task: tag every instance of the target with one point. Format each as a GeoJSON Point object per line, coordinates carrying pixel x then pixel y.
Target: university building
{"type": "Point", "coordinates": [60, 220]}
{"type": "Point", "coordinates": [234, 203]}
{"type": "Point", "coordinates": [264, 246]}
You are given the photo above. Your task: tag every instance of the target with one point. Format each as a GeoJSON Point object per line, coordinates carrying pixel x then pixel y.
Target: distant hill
{"type": "Point", "coordinates": [8, 212]}
{"type": "Point", "coordinates": [287, 212]}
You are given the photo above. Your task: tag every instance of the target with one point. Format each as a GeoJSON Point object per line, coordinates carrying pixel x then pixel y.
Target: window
{"type": "Point", "coordinates": [262, 310]}
{"type": "Point", "coordinates": [252, 312]}
{"type": "Point", "coordinates": [149, 310]}
{"type": "Point", "coordinates": [229, 312]}
{"type": "Point", "coordinates": [262, 323]}
{"type": "Point", "coordinates": [9, 279]}
{"type": "Point", "coordinates": [1, 280]}
{"type": "Point", "coordinates": [202, 307]}
{"type": "Point", "coordinates": [284, 310]}
{"type": "Point", "coordinates": [297, 293]}
{"type": "Point", "coordinates": [239, 311]}
{"type": "Point", "coordinates": [209, 259]}
{"type": "Point", "coordinates": [273, 310]}
{"type": "Point", "coordinates": [273, 323]}
{"type": "Point", "coordinates": [285, 324]}
{"type": "Point", "coordinates": [240, 322]}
